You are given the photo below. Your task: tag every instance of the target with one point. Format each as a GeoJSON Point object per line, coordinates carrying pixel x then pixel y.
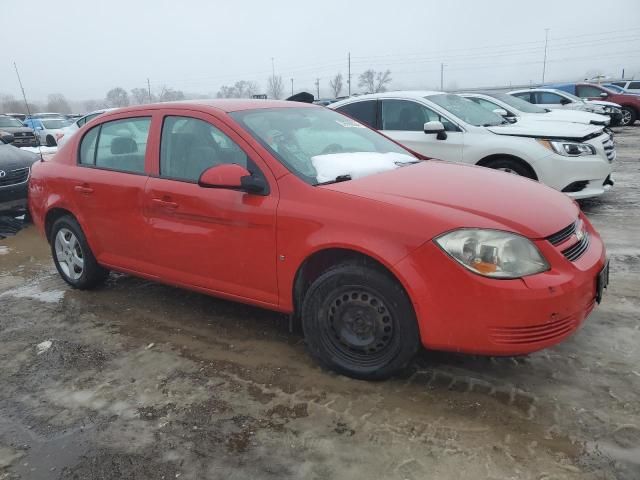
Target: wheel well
{"type": "Point", "coordinates": [322, 261]}
{"type": "Point", "coordinates": [486, 160]}
{"type": "Point", "coordinates": [53, 215]}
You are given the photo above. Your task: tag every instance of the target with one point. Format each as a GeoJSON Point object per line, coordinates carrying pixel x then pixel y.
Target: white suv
{"type": "Point", "coordinates": [570, 157]}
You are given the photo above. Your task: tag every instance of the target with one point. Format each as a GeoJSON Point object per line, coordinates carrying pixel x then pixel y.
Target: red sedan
{"type": "Point", "coordinates": [299, 209]}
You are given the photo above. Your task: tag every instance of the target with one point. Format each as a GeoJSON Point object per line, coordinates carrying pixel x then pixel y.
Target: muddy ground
{"type": "Point", "coordinates": [137, 380]}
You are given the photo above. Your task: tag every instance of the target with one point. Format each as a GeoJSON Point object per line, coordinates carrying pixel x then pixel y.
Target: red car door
{"type": "Point", "coordinates": [108, 189]}
{"type": "Point", "coordinates": [217, 239]}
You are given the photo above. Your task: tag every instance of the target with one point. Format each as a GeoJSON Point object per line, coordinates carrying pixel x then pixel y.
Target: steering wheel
{"type": "Point", "coordinates": [333, 148]}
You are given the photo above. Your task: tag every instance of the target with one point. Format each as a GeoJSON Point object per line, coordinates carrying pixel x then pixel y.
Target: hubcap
{"type": "Point", "coordinates": [69, 254]}
{"type": "Point", "coordinates": [360, 327]}
{"type": "Point", "coordinates": [626, 117]}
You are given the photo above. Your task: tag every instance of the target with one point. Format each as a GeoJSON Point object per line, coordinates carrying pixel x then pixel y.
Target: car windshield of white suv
{"type": "Point", "coordinates": [518, 103]}
{"type": "Point", "coordinates": [54, 124]}
{"type": "Point", "coordinates": [321, 146]}
{"type": "Point", "coordinates": [10, 122]}
{"type": "Point", "coordinates": [467, 110]}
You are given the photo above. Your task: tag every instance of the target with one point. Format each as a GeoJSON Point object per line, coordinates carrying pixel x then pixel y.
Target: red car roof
{"type": "Point", "coordinates": [225, 105]}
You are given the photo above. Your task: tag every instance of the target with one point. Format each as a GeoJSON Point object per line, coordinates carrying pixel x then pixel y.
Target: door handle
{"type": "Point", "coordinates": [83, 189]}
{"type": "Point", "coordinates": [164, 203]}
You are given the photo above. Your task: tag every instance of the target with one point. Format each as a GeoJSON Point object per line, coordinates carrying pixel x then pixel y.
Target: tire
{"type": "Point", "coordinates": [359, 322]}
{"type": "Point", "coordinates": [629, 117]}
{"type": "Point", "coordinates": [509, 165]}
{"type": "Point", "coordinates": [51, 142]}
{"type": "Point", "coordinates": [72, 255]}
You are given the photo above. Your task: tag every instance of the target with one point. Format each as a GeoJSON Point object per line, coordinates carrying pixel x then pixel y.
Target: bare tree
{"type": "Point", "coordinates": [336, 85]}
{"type": "Point", "coordinates": [57, 103]}
{"type": "Point", "coordinates": [170, 95]}
{"type": "Point", "coordinates": [241, 89]}
{"type": "Point", "coordinates": [275, 86]}
{"type": "Point", "coordinates": [9, 104]}
{"type": "Point", "coordinates": [117, 97]}
{"type": "Point", "coordinates": [140, 96]}
{"type": "Point", "coordinates": [373, 81]}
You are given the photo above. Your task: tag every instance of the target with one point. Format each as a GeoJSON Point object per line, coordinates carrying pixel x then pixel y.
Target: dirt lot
{"type": "Point", "coordinates": [139, 380]}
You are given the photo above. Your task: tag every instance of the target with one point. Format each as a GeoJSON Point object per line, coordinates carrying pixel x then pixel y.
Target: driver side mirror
{"type": "Point", "coordinates": [231, 176]}
{"type": "Point", "coordinates": [604, 95]}
{"type": "Point", "coordinates": [437, 128]}
{"type": "Point", "coordinates": [501, 111]}
{"type": "Point", "coordinates": [565, 101]}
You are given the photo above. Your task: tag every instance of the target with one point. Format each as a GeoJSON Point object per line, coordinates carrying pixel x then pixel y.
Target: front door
{"type": "Point", "coordinates": [403, 120]}
{"type": "Point", "coordinates": [219, 239]}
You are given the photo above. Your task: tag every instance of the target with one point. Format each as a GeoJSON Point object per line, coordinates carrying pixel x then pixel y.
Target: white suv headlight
{"type": "Point", "coordinates": [493, 253]}
{"type": "Point", "coordinates": [568, 149]}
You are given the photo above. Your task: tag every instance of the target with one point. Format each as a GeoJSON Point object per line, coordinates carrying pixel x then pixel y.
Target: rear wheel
{"type": "Point", "coordinates": [359, 322]}
{"type": "Point", "coordinates": [629, 116]}
{"type": "Point", "coordinates": [509, 165]}
{"type": "Point", "coordinates": [51, 142]}
{"type": "Point", "coordinates": [72, 256]}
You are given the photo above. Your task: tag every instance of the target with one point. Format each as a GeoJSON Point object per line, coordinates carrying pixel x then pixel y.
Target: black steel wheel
{"type": "Point", "coordinates": [359, 322]}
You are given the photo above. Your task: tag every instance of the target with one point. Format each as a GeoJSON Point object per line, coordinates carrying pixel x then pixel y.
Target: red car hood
{"type": "Point", "coordinates": [467, 196]}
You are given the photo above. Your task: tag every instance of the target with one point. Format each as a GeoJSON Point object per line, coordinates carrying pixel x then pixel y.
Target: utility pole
{"type": "Point", "coordinates": [149, 90]}
{"type": "Point", "coordinates": [622, 77]}
{"type": "Point", "coordinates": [292, 86]}
{"type": "Point", "coordinates": [349, 70]}
{"type": "Point", "coordinates": [318, 87]}
{"type": "Point", "coordinates": [442, 65]}
{"type": "Point", "coordinates": [273, 68]}
{"type": "Point", "coordinates": [544, 63]}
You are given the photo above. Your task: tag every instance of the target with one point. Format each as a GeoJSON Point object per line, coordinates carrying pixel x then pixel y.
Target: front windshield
{"type": "Point", "coordinates": [10, 122]}
{"type": "Point", "coordinates": [467, 110]}
{"type": "Point", "coordinates": [54, 124]}
{"type": "Point", "coordinates": [319, 145]}
{"type": "Point", "coordinates": [571, 96]}
{"type": "Point", "coordinates": [517, 103]}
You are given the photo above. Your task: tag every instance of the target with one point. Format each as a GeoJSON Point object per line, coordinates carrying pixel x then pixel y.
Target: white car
{"type": "Point", "coordinates": [571, 157]}
{"type": "Point", "coordinates": [560, 100]}
{"type": "Point", "coordinates": [514, 108]}
{"type": "Point", "coordinates": [49, 129]}
{"type": "Point", "coordinates": [69, 130]}
{"type": "Point", "coordinates": [631, 86]}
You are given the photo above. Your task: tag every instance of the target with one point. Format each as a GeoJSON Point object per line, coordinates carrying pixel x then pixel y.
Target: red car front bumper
{"type": "Point", "coordinates": [460, 311]}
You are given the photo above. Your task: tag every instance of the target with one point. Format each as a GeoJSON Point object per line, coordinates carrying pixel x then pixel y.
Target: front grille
{"type": "Point", "coordinates": [534, 333]}
{"type": "Point", "coordinates": [14, 177]}
{"type": "Point", "coordinates": [575, 251]}
{"type": "Point", "coordinates": [23, 135]}
{"type": "Point", "coordinates": [559, 237]}
{"type": "Point", "coordinates": [609, 149]}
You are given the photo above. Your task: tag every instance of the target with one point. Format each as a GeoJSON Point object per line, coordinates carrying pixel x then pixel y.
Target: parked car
{"type": "Point", "coordinates": [558, 99]}
{"type": "Point", "coordinates": [630, 104]}
{"type": "Point", "coordinates": [49, 130]}
{"type": "Point", "coordinates": [70, 129]}
{"type": "Point", "coordinates": [573, 158]}
{"type": "Point", "coordinates": [46, 115]}
{"type": "Point", "coordinates": [15, 166]}
{"type": "Point", "coordinates": [19, 116]}
{"type": "Point", "coordinates": [515, 108]}
{"type": "Point", "coordinates": [22, 136]}
{"type": "Point", "coordinates": [631, 86]}
{"type": "Point", "coordinates": [299, 209]}
{"type": "Point", "coordinates": [617, 89]}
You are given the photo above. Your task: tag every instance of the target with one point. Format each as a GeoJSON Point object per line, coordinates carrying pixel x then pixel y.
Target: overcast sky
{"type": "Point", "coordinates": [82, 48]}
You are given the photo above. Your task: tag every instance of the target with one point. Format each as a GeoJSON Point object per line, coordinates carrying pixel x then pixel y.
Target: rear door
{"type": "Point", "coordinates": [109, 188]}
{"type": "Point", "coordinates": [218, 239]}
{"type": "Point", "coordinates": [403, 120]}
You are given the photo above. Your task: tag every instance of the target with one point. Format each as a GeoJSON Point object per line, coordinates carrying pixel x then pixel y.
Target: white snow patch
{"type": "Point", "coordinates": [43, 347]}
{"type": "Point", "coordinates": [4, 249]}
{"type": "Point", "coordinates": [34, 291]}
{"type": "Point", "coordinates": [356, 164]}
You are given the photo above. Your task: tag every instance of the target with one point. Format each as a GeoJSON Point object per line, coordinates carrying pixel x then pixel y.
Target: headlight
{"type": "Point", "coordinates": [568, 149]}
{"type": "Point", "coordinates": [608, 109]}
{"type": "Point", "coordinates": [493, 253]}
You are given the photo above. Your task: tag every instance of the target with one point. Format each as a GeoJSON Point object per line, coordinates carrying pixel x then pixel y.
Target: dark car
{"type": "Point", "coordinates": [22, 136]}
{"type": "Point", "coordinates": [15, 168]}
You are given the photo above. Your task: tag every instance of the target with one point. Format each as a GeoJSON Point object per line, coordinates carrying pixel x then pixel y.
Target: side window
{"type": "Point", "coordinates": [409, 116]}
{"type": "Point", "coordinates": [88, 146]}
{"type": "Point", "coordinates": [526, 96]}
{"type": "Point", "coordinates": [122, 144]}
{"type": "Point", "coordinates": [189, 146]}
{"type": "Point", "coordinates": [621, 84]}
{"type": "Point", "coordinates": [587, 91]}
{"type": "Point", "coordinates": [634, 85]}
{"type": "Point", "coordinates": [548, 98]}
{"type": "Point", "coordinates": [364, 112]}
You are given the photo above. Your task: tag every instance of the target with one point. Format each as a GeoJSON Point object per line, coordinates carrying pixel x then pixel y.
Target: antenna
{"type": "Point", "coordinates": [26, 104]}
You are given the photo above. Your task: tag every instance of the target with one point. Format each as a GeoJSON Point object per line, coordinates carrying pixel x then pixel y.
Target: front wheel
{"type": "Point", "coordinates": [509, 165]}
{"type": "Point", "coordinates": [359, 322]}
{"type": "Point", "coordinates": [629, 116]}
{"type": "Point", "coordinates": [51, 142]}
{"type": "Point", "coordinates": [72, 256]}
